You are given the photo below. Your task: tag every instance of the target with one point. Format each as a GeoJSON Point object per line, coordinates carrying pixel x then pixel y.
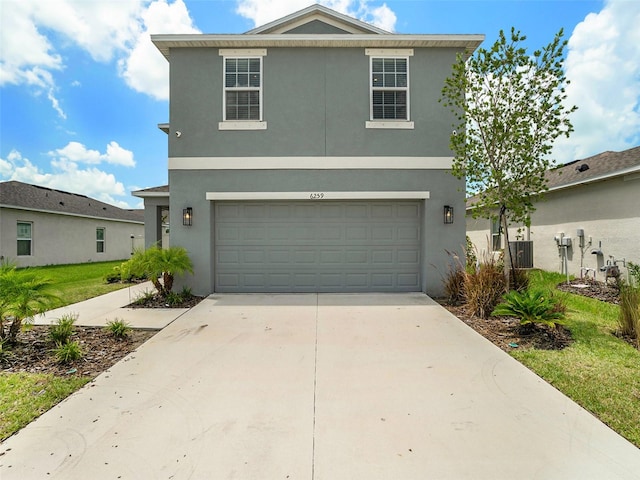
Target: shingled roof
{"type": "Point", "coordinates": [598, 167]}
{"type": "Point", "coordinates": [592, 169]}
{"type": "Point", "coordinates": [33, 197]}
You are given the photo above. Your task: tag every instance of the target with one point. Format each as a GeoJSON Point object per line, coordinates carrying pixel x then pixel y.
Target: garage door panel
{"type": "Point", "coordinates": [317, 246]}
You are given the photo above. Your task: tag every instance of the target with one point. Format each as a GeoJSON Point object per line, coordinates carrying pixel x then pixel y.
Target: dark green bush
{"type": "Point", "coordinates": [531, 307]}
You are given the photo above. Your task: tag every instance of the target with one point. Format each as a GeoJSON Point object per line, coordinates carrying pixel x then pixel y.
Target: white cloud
{"type": "Point", "coordinates": [261, 12]}
{"type": "Point", "coordinates": [75, 152]}
{"type": "Point", "coordinates": [144, 68]}
{"type": "Point", "coordinates": [106, 30]}
{"type": "Point", "coordinates": [66, 175]}
{"type": "Point", "coordinates": [603, 65]}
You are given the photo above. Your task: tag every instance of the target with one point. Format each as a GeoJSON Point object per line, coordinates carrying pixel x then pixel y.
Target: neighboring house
{"type": "Point", "coordinates": [311, 155]}
{"type": "Point", "coordinates": [43, 226]}
{"type": "Point", "coordinates": [589, 218]}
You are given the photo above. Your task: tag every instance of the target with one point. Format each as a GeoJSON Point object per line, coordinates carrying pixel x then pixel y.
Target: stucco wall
{"type": "Point", "coordinates": [316, 103]}
{"type": "Point", "coordinates": [188, 188]}
{"type": "Point", "coordinates": [607, 211]}
{"type": "Point", "coordinates": [64, 239]}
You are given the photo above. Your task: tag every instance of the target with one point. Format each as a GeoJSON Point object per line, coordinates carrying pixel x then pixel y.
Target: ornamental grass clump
{"type": "Point", "coordinates": [629, 313]}
{"type": "Point", "coordinates": [532, 307]}
{"type": "Point", "coordinates": [60, 332]}
{"type": "Point", "coordinates": [483, 287]}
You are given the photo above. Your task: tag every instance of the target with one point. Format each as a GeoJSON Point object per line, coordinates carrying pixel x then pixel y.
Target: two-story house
{"type": "Point", "coordinates": [311, 155]}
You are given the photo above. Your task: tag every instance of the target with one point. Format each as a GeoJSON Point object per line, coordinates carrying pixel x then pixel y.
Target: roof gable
{"type": "Point", "coordinates": [317, 19]}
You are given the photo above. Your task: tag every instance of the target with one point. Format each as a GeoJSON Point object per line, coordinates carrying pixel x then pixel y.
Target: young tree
{"type": "Point", "coordinates": [509, 110]}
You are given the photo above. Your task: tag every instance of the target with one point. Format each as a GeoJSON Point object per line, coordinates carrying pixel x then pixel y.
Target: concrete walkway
{"type": "Point", "coordinates": [318, 387]}
{"type": "Point", "coordinates": [98, 311]}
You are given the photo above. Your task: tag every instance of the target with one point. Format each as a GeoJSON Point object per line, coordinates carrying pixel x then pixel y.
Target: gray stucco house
{"type": "Point", "coordinates": [44, 226]}
{"type": "Point", "coordinates": [311, 155]}
{"type": "Point", "coordinates": [590, 217]}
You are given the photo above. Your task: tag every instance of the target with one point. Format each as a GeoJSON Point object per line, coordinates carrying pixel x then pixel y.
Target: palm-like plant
{"type": "Point", "coordinates": [531, 306]}
{"type": "Point", "coordinates": [157, 263]}
{"type": "Point", "coordinates": [23, 295]}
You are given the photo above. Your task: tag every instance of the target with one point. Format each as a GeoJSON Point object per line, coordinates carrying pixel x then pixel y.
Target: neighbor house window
{"type": "Point", "coordinates": [242, 100]}
{"type": "Point", "coordinates": [24, 238]}
{"type": "Point", "coordinates": [100, 240]}
{"type": "Point", "coordinates": [496, 234]}
{"type": "Point", "coordinates": [389, 88]}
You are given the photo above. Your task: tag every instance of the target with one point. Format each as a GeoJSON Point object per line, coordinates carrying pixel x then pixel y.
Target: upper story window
{"type": "Point", "coordinates": [24, 238]}
{"type": "Point", "coordinates": [100, 240]}
{"type": "Point", "coordinates": [242, 101]}
{"type": "Point", "coordinates": [389, 88]}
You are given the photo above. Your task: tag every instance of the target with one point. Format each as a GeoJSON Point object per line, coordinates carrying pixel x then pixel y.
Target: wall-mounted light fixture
{"type": "Point", "coordinates": [187, 216]}
{"type": "Point", "coordinates": [448, 214]}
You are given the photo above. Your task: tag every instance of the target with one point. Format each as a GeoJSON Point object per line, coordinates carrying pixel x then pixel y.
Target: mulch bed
{"type": "Point", "coordinates": [606, 292]}
{"type": "Point", "coordinates": [33, 352]}
{"type": "Point", "coordinates": [507, 333]}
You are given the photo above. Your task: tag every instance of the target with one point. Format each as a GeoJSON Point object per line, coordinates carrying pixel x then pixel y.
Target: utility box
{"type": "Point", "coordinates": [565, 241]}
{"type": "Point", "coordinates": [522, 253]}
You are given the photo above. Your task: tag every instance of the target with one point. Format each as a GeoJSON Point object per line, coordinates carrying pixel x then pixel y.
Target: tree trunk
{"type": "Point", "coordinates": [508, 260]}
{"type": "Point", "coordinates": [14, 329]}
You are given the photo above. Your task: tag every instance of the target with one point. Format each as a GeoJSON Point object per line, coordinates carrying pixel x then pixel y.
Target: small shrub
{"type": "Point", "coordinates": [118, 328]}
{"type": "Point", "coordinates": [629, 313]}
{"type": "Point", "coordinates": [186, 293]}
{"type": "Point", "coordinates": [68, 352]}
{"type": "Point", "coordinates": [172, 298]}
{"type": "Point", "coordinates": [483, 287]}
{"type": "Point", "coordinates": [113, 276]}
{"type": "Point", "coordinates": [531, 306]}
{"type": "Point", "coordinates": [60, 332]}
{"type": "Point", "coordinates": [144, 297]}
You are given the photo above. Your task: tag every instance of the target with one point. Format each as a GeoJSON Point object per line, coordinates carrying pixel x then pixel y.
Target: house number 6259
{"type": "Point", "coordinates": [316, 196]}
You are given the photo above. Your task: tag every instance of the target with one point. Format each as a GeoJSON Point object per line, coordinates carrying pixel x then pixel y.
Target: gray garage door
{"type": "Point", "coordinates": [328, 246]}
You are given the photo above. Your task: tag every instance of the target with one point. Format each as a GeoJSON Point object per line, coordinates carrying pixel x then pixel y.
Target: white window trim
{"type": "Point", "coordinates": [104, 239]}
{"type": "Point", "coordinates": [242, 124]}
{"type": "Point", "coordinates": [30, 239]}
{"type": "Point", "coordinates": [388, 123]}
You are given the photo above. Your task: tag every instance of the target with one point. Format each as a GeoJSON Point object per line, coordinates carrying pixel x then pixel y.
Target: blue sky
{"type": "Point", "coordinates": [82, 88]}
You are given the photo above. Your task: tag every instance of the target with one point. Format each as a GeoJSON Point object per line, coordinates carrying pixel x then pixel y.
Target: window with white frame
{"type": "Point", "coordinates": [100, 240]}
{"type": "Point", "coordinates": [389, 88]}
{"type": "Point", "coordinates": [243, 88]}
{"type": "Point", "coordinates": [24, 238]}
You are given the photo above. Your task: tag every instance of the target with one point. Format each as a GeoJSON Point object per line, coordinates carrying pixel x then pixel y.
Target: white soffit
{"type": "Point", "coordinates": [309, 163]}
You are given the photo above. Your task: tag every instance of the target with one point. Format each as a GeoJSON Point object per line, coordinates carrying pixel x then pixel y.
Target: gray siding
{"type": "Point", "coordinates": [65, 239]}
{"type": "Point", "coordinates": [316, 103]}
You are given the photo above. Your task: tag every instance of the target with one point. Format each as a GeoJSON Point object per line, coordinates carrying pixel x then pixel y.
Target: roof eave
{"type": "Point", "coordinates": [165, 42]}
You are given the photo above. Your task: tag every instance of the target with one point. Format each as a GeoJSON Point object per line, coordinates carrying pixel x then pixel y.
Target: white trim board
{"type": "Point", "coordinates": [309, 163]}
{"type": "Point", "coordinates": [318, 195]}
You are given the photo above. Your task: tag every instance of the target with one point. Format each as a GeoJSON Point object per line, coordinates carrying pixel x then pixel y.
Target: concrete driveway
{"type": "Point", "coordinates": [322, 387]}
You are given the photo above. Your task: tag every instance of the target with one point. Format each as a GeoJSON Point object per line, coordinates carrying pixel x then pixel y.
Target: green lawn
{"type": "Point", "coordinates": [599, 371]}
{"type": "Point", "coordinates": [25, 396]}
{"type": "Point", "coordinates": [74, 283]}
